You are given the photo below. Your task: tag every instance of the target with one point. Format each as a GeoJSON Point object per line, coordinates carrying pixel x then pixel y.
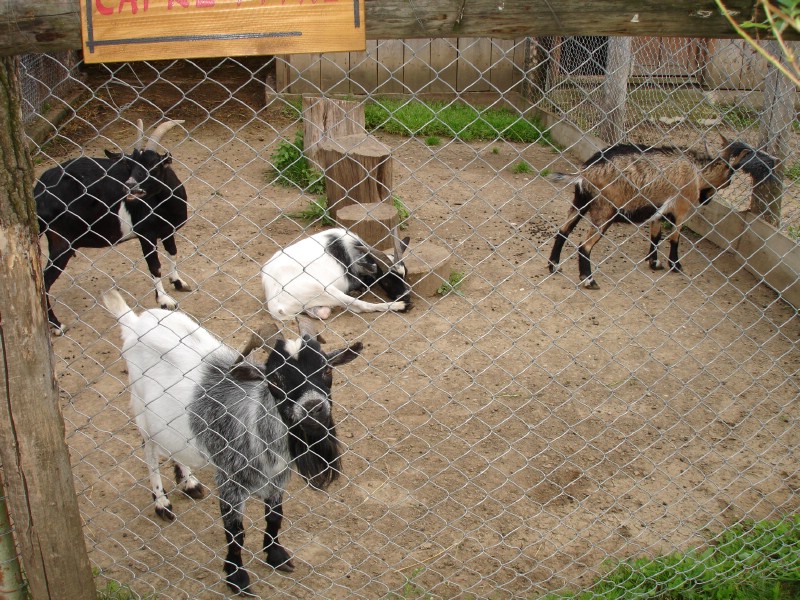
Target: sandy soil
{"type": "Point", "coordinates": [499, 443]}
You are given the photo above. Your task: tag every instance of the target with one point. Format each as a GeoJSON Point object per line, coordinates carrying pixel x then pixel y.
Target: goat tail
{"type": "Point", "coordinates": [117, 306]}
{"type": "Point", "coordinates": [565, 178]}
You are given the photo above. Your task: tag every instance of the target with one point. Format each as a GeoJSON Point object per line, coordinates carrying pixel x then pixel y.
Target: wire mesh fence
{"type": "Point", "coordinates": [513, 432]}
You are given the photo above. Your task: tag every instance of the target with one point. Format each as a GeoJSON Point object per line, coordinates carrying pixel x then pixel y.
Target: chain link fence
{"type": "Point", "coordinates": [512, 434]}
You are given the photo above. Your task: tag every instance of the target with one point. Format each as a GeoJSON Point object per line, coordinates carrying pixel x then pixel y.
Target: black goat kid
{"type": "Point", "coordinates": [98, 202]}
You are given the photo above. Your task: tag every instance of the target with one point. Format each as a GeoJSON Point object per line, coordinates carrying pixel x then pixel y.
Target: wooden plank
{"type": "Point", "coordinates": [305, 74]}
{"type": "Point", "coordinates": [417, 65]}
{"type": "Point", "coordinates": [444, 53]}
{"type": "Point", "coordinates": [473, 62]}
{"type": "Point", "coordinates": [50, 25]}
{"type": "Point", "coordinates": [390, 67]}
{"type": "Point", "coordinates": [364, 69]}
{"type": "Point", "coordinates": [501, 65]}
{"type": "Point", "coordinates": [334, 67]}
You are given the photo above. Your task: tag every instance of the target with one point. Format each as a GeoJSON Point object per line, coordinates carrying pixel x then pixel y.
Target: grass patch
{"type": "Point", "coordinates": [453, 284]}
{"type": "Point", "coordinates": [522, 167]}
{"type": "Point", "coordinates": [290, 167]}
{"type": "Point", "coordinates": [451, 119]}
{"type": "Point", "coordinates": [433, 140]}
{"type": "Point", "coordinates": [118, 591]}
{"type": "Point", "coordinates": [315, 213]}
{"type": "Point", "coordinates": [748, 561]}
{"type": "Point", "coordinates": [793, 171]}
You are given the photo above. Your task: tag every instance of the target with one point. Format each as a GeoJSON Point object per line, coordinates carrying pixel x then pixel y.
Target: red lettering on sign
{"type": "Point", "coordinates": [134, 5]}
{"type": "Point", "coordinates": [204, 3]}
{"type": "Point", "coordinates": [103, 10]}
{"type": "Point", "coordinates": [183, 3]}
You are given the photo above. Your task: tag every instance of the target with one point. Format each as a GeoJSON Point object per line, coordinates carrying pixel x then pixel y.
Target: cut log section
{"type": "Point", "coordinates": [358, 168]}
{"type": "Point", "coordinates": [428, 266]}
{"type": "Point", "coordinates": [329, 118]}
{"type": "Point", "coordinates": [373, 222]}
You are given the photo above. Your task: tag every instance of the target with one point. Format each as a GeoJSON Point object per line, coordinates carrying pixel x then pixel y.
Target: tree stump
{"type": "Point", "coordinates": [428, 267]}
{"type": "Point", "coordinates": [373, 222]}
{"type": "Point", "coordinates": [328, 118]}
{"type": "Point", "coordinates": [358, 168]}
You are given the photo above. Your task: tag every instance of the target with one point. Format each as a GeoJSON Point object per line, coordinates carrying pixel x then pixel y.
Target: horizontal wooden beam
{"type": "Point", "coordinates": [32, 26]}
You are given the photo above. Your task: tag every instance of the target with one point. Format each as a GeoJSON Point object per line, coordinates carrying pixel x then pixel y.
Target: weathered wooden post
{"type": "Point", "coordinates": [37, 474]}
{"type": "Point", "coordinates": [614, 89]}
{"type": "Point", "coordinates": [775, 124]}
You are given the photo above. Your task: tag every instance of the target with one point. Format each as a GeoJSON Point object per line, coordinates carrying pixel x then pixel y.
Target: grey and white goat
{"type": "Point", "coordinates": [199, 402]}
{"type": "Point", "coordinates": [632, 184]}
{"type": "Point", "coordinates": [321, 272]}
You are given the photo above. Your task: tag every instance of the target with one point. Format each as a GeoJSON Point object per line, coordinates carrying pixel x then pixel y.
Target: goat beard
{"type": "Point", "coordinates": [316, 452]}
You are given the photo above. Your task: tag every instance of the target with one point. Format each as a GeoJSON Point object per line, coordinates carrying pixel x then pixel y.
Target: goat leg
{"type": "Point", "coordinates": [277, 556]}
{"type": "Point", "coordinates": [163, 299]}
{"type": "Point", "coordinates": [172, 251]}
{"type": "Point", "coordinates": [237, 578]}
{"type": "Point", "coordinates": [655, 238]}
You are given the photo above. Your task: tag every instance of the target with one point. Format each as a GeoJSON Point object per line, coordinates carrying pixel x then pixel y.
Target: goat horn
{"type": "Point", "coordinates": [399, 247]}
{"type": "Point", "coordinates": [309, 328]}
{"type": "Point", "coordinates": [155, 140]}
{"type": "Point", "coordinates": [139, 133]}
{"type": "Point", "coordinates": [265, 336]}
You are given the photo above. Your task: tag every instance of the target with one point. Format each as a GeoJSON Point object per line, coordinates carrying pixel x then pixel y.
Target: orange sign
{"type": "Point", "coordinates": [128, 30]}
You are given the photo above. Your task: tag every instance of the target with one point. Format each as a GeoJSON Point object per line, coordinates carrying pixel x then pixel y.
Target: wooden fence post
{"type": "Point", "coordinates": [37, 474]}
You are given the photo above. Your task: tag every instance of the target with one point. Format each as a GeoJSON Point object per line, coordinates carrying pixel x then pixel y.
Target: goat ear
{"type": "Point", "coordinates": [343, 356]}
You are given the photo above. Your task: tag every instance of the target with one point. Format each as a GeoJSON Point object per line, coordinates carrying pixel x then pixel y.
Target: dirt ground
{"type": "Point", "coordinates": [501, 442]}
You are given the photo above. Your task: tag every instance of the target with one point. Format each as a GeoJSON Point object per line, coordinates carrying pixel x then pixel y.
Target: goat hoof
{"type": "Point", "coordinates": [181, 286]}
{"type": "Point", "coordinates": [195, 492]}
{"type": "Point", "coordinates": [239, 581]}
{"type": "Point", "coordinates": [591, 284]}
{"type": "Point", "coordinates": [553, 267]}
{"type": "Point", "coordinates": [676, 268]}
{"type": "Point", "coordinates": [656, 266]}
{"type": "Point", "coordinates": [56, 330]}
{"type": "Point", "coordinates": [278, 558]}
{"type": "Point", "coordinates": [165, 512]}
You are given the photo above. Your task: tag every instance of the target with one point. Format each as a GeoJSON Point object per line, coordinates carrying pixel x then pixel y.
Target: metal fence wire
{"type": "Point", "coordinates": [514, 433]}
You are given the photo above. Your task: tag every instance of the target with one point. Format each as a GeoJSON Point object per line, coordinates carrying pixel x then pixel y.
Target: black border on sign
{"type": "Point", "coordinates": [91, 43]}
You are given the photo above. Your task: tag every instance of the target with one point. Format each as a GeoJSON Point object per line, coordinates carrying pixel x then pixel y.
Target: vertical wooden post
{"type": "Point", "coordinates": [36, 470]}
{"type": "Point", "coordinates": [775, 124]}
{"type": "Point", "coordinates": [614, 90]}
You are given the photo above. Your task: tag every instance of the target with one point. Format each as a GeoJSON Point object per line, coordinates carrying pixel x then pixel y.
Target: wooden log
{"type": "Point", "coordinates": [331, 118]}
{"type": "Point", "coordinates": [48, 25]}
{"type": "Point", "coordinates": [358, 168]}
{"type": "Point", "coordinates": [428, 267]}
{"type": "Point", "coordinates": [373, 222]}
{"type": "Point", "coordinates": [36, 468]}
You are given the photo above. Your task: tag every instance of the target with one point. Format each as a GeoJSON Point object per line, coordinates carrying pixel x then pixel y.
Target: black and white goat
{"type": "Point", "coordinates": [632, 184]}
{"type": "Point", "coordinates": [199, 402]}
{"type": "Point", "coordinates": [98, 202]}
{"type": "Point", "coordinates": [321, 272]}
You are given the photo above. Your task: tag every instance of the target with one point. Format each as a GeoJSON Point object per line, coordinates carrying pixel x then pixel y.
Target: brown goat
{"type": "Point", "coordinates": [628, 183]}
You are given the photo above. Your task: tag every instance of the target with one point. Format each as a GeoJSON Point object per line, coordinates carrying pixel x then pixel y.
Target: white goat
{"type": "Point", "coordinates": [321, 271]}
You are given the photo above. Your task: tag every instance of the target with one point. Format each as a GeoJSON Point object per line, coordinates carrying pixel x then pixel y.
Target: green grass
{"type": "Point", "coordinates": [290, 167]}
{"type": "Point", "coordinates": [450, 119]}
{"type": "Point", "coordinates": [522, 167]}
{"type": "Point", "coordinates": [749, 561]}
{"type": "Point", "coordinates": [118, 591]}
{"type": "Point", "coordinates": [433, 140]}
{"type": "Point", "coordinates": [453, 284]}
{"type": "Point", "coordinates": [793, 171]}
{"type": "Point", "coordinates": [315, 212]}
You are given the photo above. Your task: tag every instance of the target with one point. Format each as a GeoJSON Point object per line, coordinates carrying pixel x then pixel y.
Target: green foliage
{"type": "Point", "coordinates": [545, 172]}
{"type": "Point", "coordinates": [738, 117]}
{"type": "Point", "coordinates": [291, 168]}
{"type": "Point", "coordinates": [410, 589]}
{"type": "Point", "coordinates": [450, 119]}
{"type": "Point", "coordinates": [794, 232]}
{"type": "Point", "coordinates": [433, 140]}
{"type": "Point", "coordinates": [316, 213]}
{"type": "Point", "coordinates": [402, 211]}
{"type": "Point", "coordinates": [793, 171]}
{"type": "Point", "coordinates": [745, 562]}
{"type": "Point", "coordinates": [118, 591]}
{"type": "Point", "coordinates": [453, 284]}
{"type": "Point", "coordinates": [522, 167]}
